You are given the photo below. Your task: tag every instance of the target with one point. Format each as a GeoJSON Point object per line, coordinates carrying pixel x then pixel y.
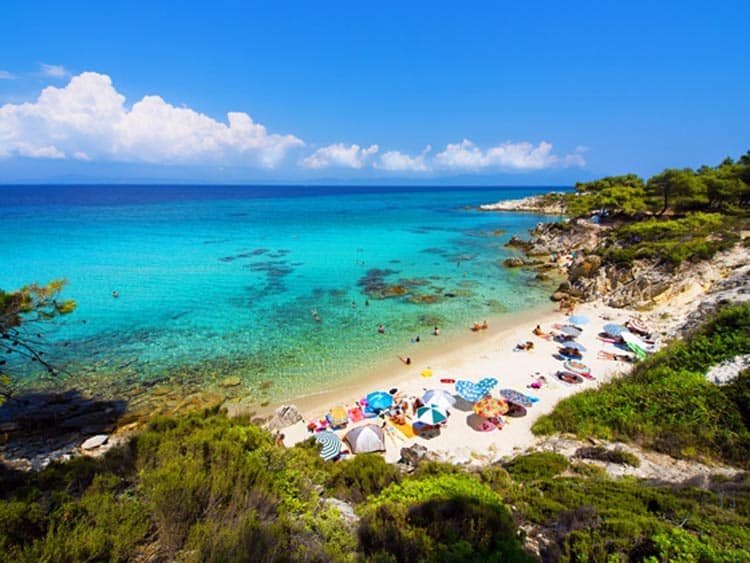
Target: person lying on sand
{"type": "Point", "coordinates": [405, 359]}
{"type": "Point", "coordinates": [604, 355]}
{"type": "Point", "coordinates": [541, 334]}
{"type": "Point", "coordinates": [528, 345]}
{"type": "Point", "coordinates": [538, 382]}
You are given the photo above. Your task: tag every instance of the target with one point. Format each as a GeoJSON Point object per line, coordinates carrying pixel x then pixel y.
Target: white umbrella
{"type": "Point", "coordinates": [439, 397]}
{"type": "Point", "coordinates": [366, 439]}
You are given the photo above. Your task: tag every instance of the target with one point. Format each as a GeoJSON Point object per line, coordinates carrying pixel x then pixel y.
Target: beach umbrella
{"type": "Point", "coordinates": [366, 439]}
{"type": "Point", "coordinates": [431, 415]}
{"type": "Point", "coordinates": [637, 350]}
{"type": "Point", "coordinates": [631, 338]}
{"type": "Point", "coordinates": [578, 320]}
{"type": "Point", "coordinates": [576, 345]}
{"type": "Point", "coordinates": [490, 407]}
{"type": "Point", "coordinates": [476, 422]}
{"type": "Point", "coordinates": [487, 383]}
{"type": "Point", "coordinates": [469, 390]}
{"type": "Point", "coordinates": [439, 397]}
{"type": "Point", "coordinates": [379, 400]}
{"type": "Point", "coordinates": [638, 326]}
{"type": "Point", "coordinates": [613, 329]}
{"type": "Point", "coordinates": [569, 330]}
{"type": "Point", "coordinates": [516, 397]}
{"type": "Point", "coordinates": [577, 367]}
{"type": "Point", "coordinates": [338, 416]}
{"type": "Point", "coordinates": [331, 444]}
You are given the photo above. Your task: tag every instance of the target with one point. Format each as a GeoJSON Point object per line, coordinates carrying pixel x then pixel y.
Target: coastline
{"type": "Point", "coordinates": [492, 354]}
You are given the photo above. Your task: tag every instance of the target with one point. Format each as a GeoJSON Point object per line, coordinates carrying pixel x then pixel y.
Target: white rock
{"type": "Point", "coordinates": [94, 442]}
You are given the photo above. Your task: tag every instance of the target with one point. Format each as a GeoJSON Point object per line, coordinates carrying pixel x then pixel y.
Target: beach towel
{"type": "Point", "coordinates": [406, 430]}
{"type": "Point", "coordinates": [356, 414]}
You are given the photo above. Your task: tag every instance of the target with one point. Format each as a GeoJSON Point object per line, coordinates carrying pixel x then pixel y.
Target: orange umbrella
{"type": "Point", "coordinates": [490, 407]}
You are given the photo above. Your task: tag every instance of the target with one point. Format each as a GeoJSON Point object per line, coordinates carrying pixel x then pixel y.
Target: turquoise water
{"type": "Point", "coordinates": [277, 284]}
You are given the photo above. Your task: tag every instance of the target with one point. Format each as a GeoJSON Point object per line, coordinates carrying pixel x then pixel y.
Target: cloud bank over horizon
{"type": "Point", "coordinates": [88, 120]}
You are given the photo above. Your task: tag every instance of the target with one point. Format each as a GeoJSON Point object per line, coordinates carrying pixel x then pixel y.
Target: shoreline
{"type": "Point", "coordinates": [492, 355]}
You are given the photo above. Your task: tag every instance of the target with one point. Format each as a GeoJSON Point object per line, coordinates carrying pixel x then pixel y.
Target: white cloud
{"type": "Point", "coordinates": [54, 71]}
{"type": "Point", "coordinates": [514, 156]}
{"type": "Point", "coordinates": [399, 162]}
{"type": "Point", "coordinates": [5, 75]}
{"type": "Point", "coordinates": [339, 155]}
{"type": "Point", "coordinates": [88, 119]}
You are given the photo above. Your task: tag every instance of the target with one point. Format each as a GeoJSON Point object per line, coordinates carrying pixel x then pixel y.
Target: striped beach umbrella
{"type": "Point", "coordinates": [331, 444]}
{"type": "Point", "coordinates": [490, 407]}
{"type": "Point", "coordinates": [638, 326]}
{"type": "Point", "coordinates": [431, 415]}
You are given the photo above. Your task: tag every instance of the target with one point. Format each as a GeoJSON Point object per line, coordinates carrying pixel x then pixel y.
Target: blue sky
{"type": "Point", "coordinates": [504, 93]}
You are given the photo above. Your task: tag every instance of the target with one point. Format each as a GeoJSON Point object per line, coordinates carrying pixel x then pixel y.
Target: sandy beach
{"type": "Point", "coordinates": [483, 354]}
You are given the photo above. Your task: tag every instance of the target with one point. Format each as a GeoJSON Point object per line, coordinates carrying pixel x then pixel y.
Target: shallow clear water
{"type": "Point", "coordinates": [225, 281]}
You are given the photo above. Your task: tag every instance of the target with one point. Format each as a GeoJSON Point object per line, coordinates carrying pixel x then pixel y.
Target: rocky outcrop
{"type": "Point", "coordinates": [285, 416]}
{"type": "Point", "coordinates": [547, 204]}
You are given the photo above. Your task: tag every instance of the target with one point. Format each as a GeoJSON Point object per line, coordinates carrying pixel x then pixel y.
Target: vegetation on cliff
{"type": "Point", "coordinates": [207, 488]}
{"type": "Point", "coordinates": [667, 404]}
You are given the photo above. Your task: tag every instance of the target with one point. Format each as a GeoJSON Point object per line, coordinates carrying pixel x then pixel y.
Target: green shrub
{"type": "Point", "coordinates": [364, 475]}
{"type": "Point", "coordinates": [538, 465]}
{"type": "Point", "coordinates": [439, 518]}
{"type": "Point", "coordinates": [666, 403]}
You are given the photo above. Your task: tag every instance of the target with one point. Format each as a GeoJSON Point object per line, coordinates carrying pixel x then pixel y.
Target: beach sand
{"type": "Point", "coordinates": [483, 354]}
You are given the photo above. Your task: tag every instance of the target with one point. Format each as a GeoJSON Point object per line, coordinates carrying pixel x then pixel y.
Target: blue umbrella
{"type": "Point", "coordinates": [572, 331]}
{"type": "Point", "coordinates": [331, 444]}
{"type": "Point", "coordinates": [578, 320]}
{"type": "Point", "coordinates": [577, 345]}
{"type": "Point", "coordinates": [614, 329]}
{"type": "Point", "coordinates": [470, 391]}
{"type": "Point", "coordinates": [488, 384]}
{"type": "Point", "coordinates": [379, 400]}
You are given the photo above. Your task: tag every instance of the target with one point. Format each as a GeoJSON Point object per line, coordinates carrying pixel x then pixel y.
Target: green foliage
{"type": "Point", "coordinates": [618, 195]}
{"type": "Point", "coordinates": [666, 403]}
{"type": "Point", "coordinates": [20, 310]}
{"type": "Point", "coordinates": [538, 465]}
{"type": "Point", "coordinates": [356, 479]}
{"type": "Point", "coordinates": [695, 237]}
{"type": "Point", "coordinates": [439, 518]}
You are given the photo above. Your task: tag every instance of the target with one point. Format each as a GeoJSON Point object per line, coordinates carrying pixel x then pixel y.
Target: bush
{"type": "Point", "coordinates": [540, 465]}
{"type": "Point", "coordinates": [364, 475]}
{"type": "Point", "coordinates": [440, 518]}
{"type": "Point", "coordinates": [666, 403]}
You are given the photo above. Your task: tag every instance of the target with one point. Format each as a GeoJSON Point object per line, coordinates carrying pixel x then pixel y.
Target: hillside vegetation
{"type": "Point", "coordinates": [667, 404]}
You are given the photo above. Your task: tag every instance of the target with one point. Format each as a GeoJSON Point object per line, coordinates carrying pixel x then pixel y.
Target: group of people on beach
{"type": "Point", "coordinates": [476, 327]}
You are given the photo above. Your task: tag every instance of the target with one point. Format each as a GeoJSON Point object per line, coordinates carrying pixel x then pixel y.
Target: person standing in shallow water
{"type": "Point", "coordinates": [381, 329]}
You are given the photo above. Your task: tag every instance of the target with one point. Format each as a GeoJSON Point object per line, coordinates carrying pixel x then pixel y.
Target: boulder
{"type": "Point", "coordinates": [95, 442]}
{"type": "Point", "coordinates": [514, 262]}
{"type": "Point", "coordinates": [285, 416]}
{"type": "Point", "coordinates": [413, 454]}
{"type": "Point", "coordinates": [345, 509]}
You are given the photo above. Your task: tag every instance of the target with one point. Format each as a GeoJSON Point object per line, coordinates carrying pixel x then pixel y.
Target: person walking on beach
{"type": "Point", "coordinates": [436, 332]}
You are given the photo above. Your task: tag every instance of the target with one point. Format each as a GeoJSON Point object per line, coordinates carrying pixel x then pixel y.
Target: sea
{"type": "Point", "coordinates": [282, 288]}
